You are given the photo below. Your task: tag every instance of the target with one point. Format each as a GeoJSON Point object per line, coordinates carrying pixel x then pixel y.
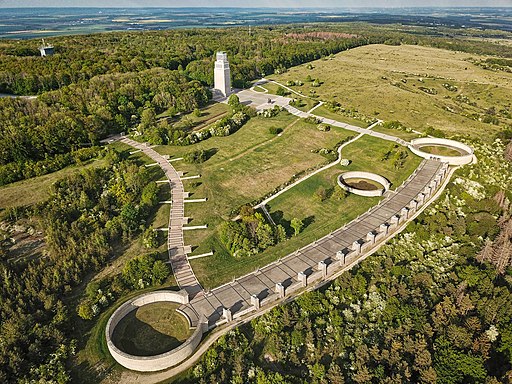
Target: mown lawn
{"type": "Point", "coordinates": [320, 217]}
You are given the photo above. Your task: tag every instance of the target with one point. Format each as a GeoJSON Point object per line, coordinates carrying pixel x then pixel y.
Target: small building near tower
{"type": "Point", "coordinates": [46, 50]}
{"type": "Point", "coordinates": [222, 74]}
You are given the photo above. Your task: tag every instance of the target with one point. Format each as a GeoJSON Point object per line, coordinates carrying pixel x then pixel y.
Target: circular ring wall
{"type": "Point", "coordinates": [344, 182]}
{"type": "Point", "coordinates": [465, 157]}
{"type": "Point", "coordinates": [156, 362]}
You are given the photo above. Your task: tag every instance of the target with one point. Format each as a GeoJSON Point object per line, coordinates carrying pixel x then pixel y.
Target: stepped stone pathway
{"type": "Point", "coordinates": [185, 277]}
{"type": "Point", "coordinates": [269, 283]}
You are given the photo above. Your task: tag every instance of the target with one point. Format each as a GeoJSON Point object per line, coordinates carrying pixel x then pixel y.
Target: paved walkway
{"type": "Point", "coordinates": [261, 100]}
{"type": "Point", "coordinates": [312, 262]}
{"type": "Point", "coordinates": [288, 187]}
{"type": "Point", "coordinates": [185, 277]}
{"type": "Point", "coordinates": [367, 131]}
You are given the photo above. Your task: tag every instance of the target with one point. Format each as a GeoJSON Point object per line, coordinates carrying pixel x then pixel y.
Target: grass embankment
{"type": "Point", "coordinates": [191, 121]}
{"type": "Point", "coordinates": [418, 86]}
{"type": "Point", "coordinates": [37, 189]}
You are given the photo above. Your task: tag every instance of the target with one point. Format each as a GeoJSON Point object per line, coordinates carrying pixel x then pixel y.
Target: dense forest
{"type": "Point", "coordinates": [86, 218]}
{"type": "Point", "coordinates": [37, 133]}
{"type": "Point", "coordinates": [81, 58]}
{"type": "Point", "coordinates": [100, 84]}
{"type": "Point", "coordinates": [434, 305]}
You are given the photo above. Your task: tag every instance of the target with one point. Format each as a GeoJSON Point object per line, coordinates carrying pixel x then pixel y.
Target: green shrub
{"type": "Point", "coordinates": [196, 157]}
{"type": "Point", "coordinates": [275, 130]}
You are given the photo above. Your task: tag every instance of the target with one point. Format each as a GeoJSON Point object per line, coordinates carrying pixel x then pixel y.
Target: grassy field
{"type": "Point", "coordinates": [324, 112]}
{"type": "Point", "coordinates": [270, 87]}
{"type": "Point", "coordinates": [300, 202]}
{"type": "Point", "coordinates": [209, 114]}
{"type": "Point", "coordinates": [151, 330]}
{"type": "Point", "coordinates": [244, 167]}
{"type": "Point", "coordinates": [251, 162]}
{"type": "Point", "coordinates": [393, 83]}
{"type": "Point", "coordinates": [37, 189]}
{"type": "Point", "coordinates": [368, 153]}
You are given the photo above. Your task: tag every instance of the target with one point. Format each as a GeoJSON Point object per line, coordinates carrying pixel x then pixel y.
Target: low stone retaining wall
{"type": "Point", "coordinates": [463, 159]}
{"type": "Point", "coordinates": [164, 360]}
{"type": "Point", "coordinates": [344, 177]}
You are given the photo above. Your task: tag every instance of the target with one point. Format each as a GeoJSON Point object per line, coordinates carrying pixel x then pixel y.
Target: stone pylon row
{"type": "Point", "coordinates": [345, 257]}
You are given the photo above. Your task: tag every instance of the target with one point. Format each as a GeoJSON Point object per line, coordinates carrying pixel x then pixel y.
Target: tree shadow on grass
{"type": "Point", "coordinates": [308, 221]}
{"type": "Point", "coordinates": [87, 374]}
{"type": "Point", "coordinates": [278, 217]}
{"type": "Point", "coordinates": [210, 152]}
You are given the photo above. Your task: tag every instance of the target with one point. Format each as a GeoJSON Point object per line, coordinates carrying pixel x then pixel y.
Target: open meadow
{"type": "Point", "coordinates": [419, 86]}
{"type": "Point", "coordinates": [37, 189]}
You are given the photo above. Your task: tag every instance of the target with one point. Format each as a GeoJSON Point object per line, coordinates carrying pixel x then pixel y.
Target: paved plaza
{"type": "Point", "coordinates": [261, 101]}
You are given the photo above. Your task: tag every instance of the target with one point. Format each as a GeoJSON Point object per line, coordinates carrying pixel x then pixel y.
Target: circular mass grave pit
{"type": "Point", "coordinates": [445, 150]}
{"type": "Point", "coordinates": [151, 329]}
{"type": "Point", "coordinates": [364, 183]}
{"type": "Point", "coordinates": [139, 339]}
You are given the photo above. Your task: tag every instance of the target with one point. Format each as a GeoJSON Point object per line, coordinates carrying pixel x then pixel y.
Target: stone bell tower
{"type": "Point", "coordinates": [222, 74]}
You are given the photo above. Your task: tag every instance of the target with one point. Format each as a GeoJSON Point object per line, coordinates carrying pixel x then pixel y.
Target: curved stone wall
{"type": "Point", "coordinates": [463, 159]}
{"type": "Point", "coordinates": [342, 182]}
{"type": "Point", "coordinates": [164, 360]}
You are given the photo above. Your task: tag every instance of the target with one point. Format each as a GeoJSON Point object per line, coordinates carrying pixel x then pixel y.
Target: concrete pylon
{"type": "Point", "coordinates": [222, 74]}
{"type": "Point", "coordinates": [322, 266]}
{"type": "Point", "coordinates": [255, 301]}
{"type": "Point", "coordinates": [383, 228]}
{"type": "Point", "coordinates": [404, 214]}
{"type": "Point", "coordinates": [303, 278]}
{"type": "Point", "coordinates": [226, 313]}
{"type": "Point", "coordinates": [340, 255]}
{"type": "Point", "coordinates": [356, 246]}
{"type": "Point", "coordinates": [370, 237]}
{"type": "Point", "coordinates": [280, 290]}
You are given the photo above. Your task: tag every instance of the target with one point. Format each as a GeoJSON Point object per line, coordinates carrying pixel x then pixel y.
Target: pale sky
{"type": "Point", "coordinates": [255, 3]}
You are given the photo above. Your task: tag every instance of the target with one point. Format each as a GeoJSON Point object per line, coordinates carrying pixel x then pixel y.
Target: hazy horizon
{"type": "Point", "coordinates": [355, 4]}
